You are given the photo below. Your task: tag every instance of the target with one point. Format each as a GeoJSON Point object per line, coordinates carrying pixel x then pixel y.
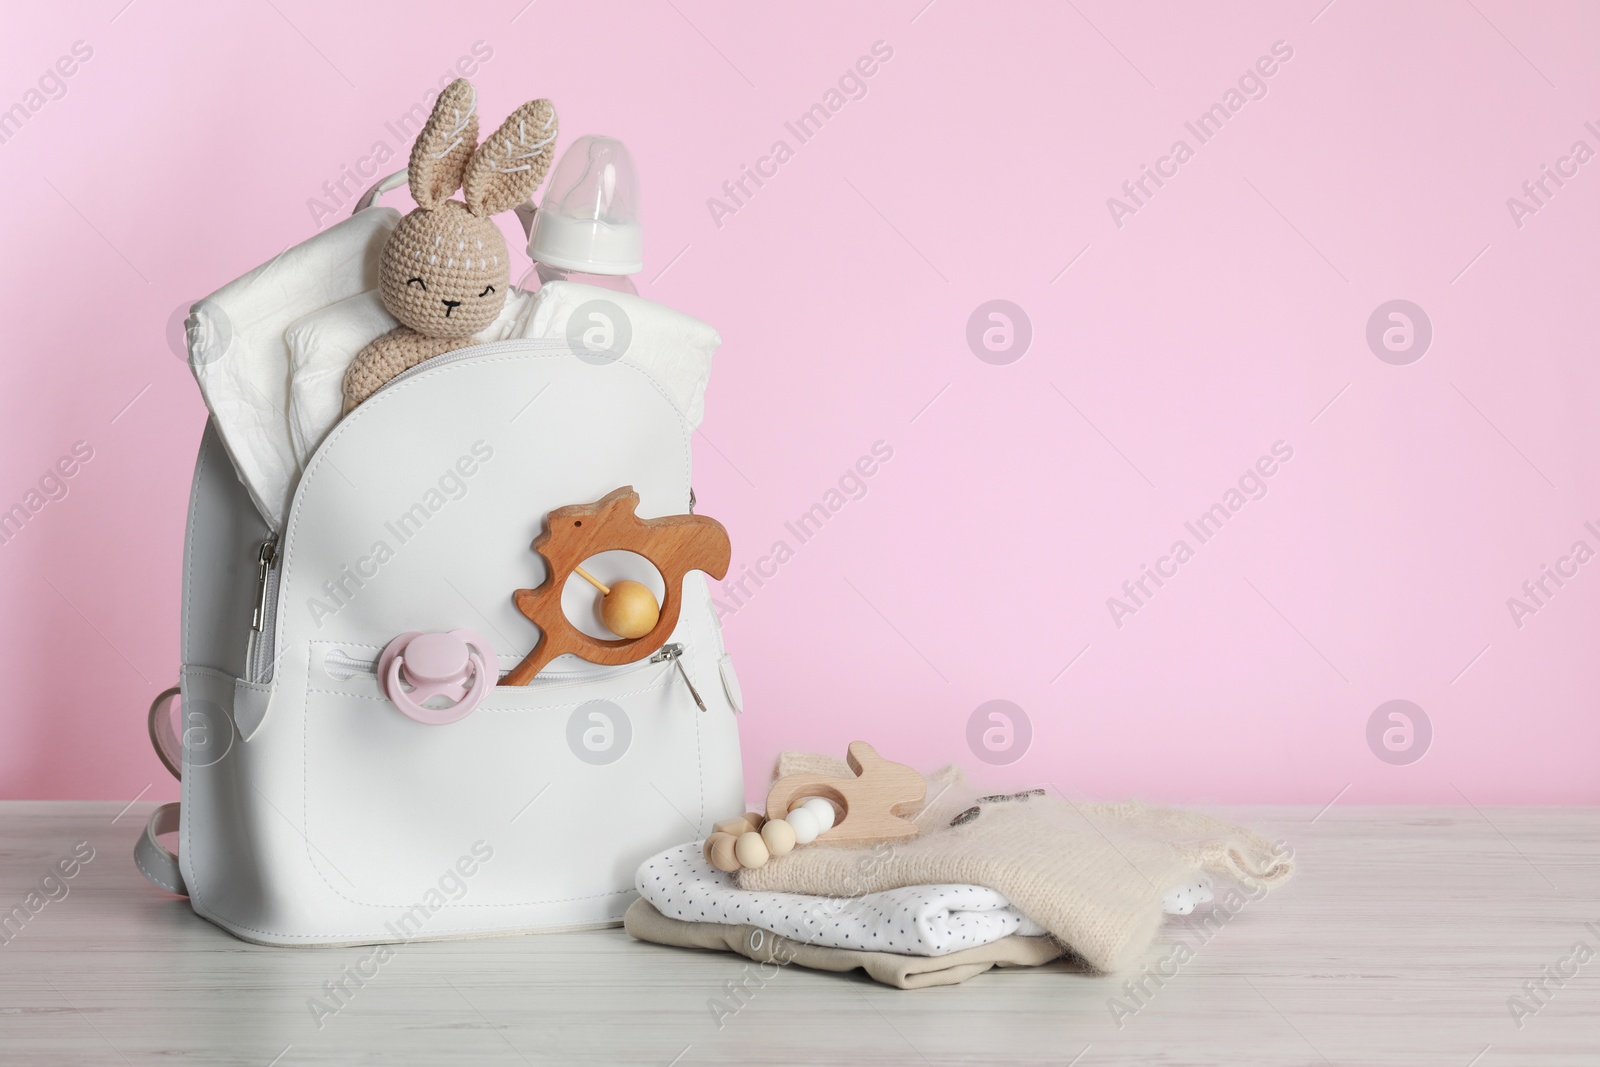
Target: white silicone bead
{"type": "Point", "coordinates": [823, 810]}
{"type": "Point", "coordinates": [805, 826]}
{"type": "Point", "coordinates": [779, 836]}
{"type": "Point", "coordinates": [751, 850]}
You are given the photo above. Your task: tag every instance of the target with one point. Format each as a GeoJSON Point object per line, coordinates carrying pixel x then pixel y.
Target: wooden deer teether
{"type": "Point", "coordinates": [873, 804]}
{"type": "Point", "coordinates": [674, 544]}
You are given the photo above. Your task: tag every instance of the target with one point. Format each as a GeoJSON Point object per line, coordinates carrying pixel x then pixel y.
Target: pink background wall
{"type": "Point", "coordinates": [1226, 312]}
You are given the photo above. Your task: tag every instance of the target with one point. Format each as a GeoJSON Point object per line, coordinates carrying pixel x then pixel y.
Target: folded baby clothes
{"type": "Point", "coordinates": [1093, 875]}
{"type": "Point", "coordinates": [645, 922]}
{"type": "Point", "coordinates": [922, 920]}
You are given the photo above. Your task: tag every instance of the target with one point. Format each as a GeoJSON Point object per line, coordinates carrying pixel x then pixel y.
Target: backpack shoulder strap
{"type": "Point", "coordinates": [157, 862]}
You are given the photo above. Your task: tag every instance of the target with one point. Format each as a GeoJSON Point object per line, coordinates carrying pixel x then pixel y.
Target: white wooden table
{"type": "Point", "coordinates": [1400, 941]}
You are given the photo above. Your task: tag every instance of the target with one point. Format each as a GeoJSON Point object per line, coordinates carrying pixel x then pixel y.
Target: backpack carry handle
{"type": "Point", "coordinates": [377, 189]}
{"type": "Point", "coordinates": [162, 736]}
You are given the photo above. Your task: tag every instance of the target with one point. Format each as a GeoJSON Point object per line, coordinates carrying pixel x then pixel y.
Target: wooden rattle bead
{"type": "Point", "coordinates": [720, 852]}
{"type": "Point", "coordinates": [751, 851]}
{"type": "Point", "coordinates": [779, 837]}
{"type": "Point", "coordinates": [756, 820]}
{"type": "Point", "coordinates": [823, 810]}
{"type": "Point", "coordinates": [804, 824]}
{"type": "Point", "coordinates": [629, 610]}
{"type": "Point", "coordinates": [734, 826]}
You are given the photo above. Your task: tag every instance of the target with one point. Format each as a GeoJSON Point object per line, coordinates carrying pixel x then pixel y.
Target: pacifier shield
{"type": "Point", "coordinates": [417, 667]}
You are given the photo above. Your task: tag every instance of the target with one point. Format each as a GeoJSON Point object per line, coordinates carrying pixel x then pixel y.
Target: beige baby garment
{"type": "Point", "coordinates": [1091, 874]}
{"type": "Point", "coordinates": [644, 922]}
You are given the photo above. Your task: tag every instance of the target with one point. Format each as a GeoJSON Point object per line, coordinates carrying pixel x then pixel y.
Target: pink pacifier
{"type": "Point", "coordinates": [459, 666]}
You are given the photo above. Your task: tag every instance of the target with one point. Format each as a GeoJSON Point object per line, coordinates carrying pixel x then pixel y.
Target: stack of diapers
{"type": "Point", "coordinates": [240, 357]}
{"type": "Point", "coordinates": [269, 350]}
{"type": "Point", "coordinates": [994, 881]}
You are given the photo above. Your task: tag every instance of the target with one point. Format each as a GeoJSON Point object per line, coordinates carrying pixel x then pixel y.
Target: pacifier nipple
{"type": "Point", "coordinates": [436, 659]}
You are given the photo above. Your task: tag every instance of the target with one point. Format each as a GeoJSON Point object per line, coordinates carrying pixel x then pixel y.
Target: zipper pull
{"type": "Point", "coordinates": [674, 652]}
{"type": "Point", "coordinates": [264, 561]}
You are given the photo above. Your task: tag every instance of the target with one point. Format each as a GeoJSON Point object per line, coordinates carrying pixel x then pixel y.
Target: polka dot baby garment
{"type": "Point", "coordinates": [920, 920]}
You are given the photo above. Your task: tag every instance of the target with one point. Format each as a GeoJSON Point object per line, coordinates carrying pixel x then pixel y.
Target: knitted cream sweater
{"type": "Point", "coordinates": [1092, 874]}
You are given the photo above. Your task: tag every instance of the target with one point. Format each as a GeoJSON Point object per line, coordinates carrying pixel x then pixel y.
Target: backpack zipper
{"type": "Point", "coordinates": [264, 617]}
{"type": "Point", "coordinates": [342, 666]}
{"type": "Point", "coordinates": [674, 653]}
{"type": "Point", "coordinates": [469, 351]}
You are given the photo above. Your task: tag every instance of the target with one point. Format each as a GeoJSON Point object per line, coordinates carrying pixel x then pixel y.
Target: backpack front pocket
{"type": "Point", "coordinates": [557, 791]}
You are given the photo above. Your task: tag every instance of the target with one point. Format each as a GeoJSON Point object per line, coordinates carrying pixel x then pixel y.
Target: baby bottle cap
{"type": "Point", "coordinates": [589, 219]}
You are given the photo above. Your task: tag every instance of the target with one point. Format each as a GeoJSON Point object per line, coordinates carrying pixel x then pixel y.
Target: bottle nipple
{"type": "Point", "coordinates": [588, 221]}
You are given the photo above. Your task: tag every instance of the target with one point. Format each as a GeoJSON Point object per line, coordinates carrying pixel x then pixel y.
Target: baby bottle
{"type": "Point", "coordinates": [587, 228]}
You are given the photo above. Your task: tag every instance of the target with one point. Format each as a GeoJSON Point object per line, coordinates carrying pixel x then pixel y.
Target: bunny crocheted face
{"type": "Point", "coordinates": [445, 269]}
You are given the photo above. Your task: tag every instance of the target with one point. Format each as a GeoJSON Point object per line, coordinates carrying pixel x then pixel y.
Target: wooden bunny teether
{"type": "Point", "coordinates": [801, 809]}
{"type": "Point", "coordinates": [873, 804]}
{"type": "Point", "coordinates": [674, 544]}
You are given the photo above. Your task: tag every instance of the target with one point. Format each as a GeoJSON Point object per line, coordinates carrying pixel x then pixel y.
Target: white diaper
{"type": "Point", "coordinates": [241, 361]}
{"type": "Point", "coordinates": [322, 344]}
{"type": "Point", "coordinates": [674, 348]}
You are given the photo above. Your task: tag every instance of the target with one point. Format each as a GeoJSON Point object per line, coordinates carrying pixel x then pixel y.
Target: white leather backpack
{"type": "Point", "coordinates": [312, 811]}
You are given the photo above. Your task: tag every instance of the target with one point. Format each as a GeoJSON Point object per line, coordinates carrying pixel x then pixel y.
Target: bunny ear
{"type": "Point", "coordinates": [508, 167]}
{"type": "Point", "coordinates": [445, 145]}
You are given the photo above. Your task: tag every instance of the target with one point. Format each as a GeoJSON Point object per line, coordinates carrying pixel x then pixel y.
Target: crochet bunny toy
{"type": "Point", "coordinates": [445, 268]}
